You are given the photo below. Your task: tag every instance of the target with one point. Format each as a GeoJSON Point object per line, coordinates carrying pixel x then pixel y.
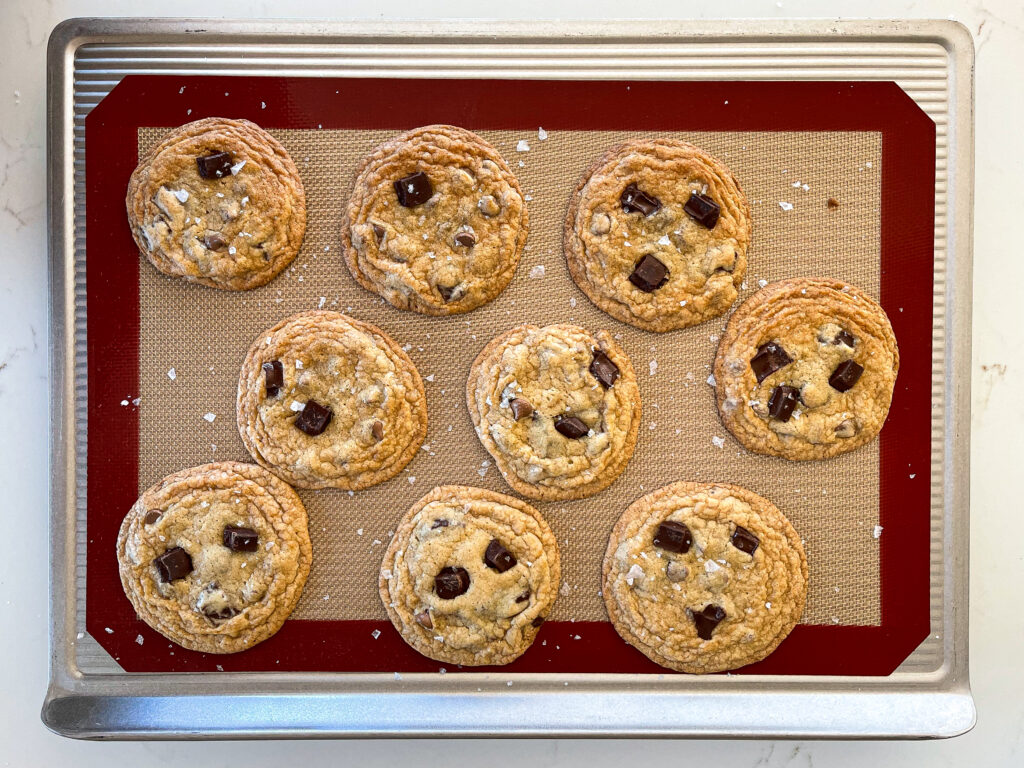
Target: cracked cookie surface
{"type": "Point", "coordinates": [806, 369]}
{"type": "Point", "coordinates": [218, 202]}
{"type": "Point", "coordinates": [436, 222]}
{"type": "Point", "coordinates": [470, 576]}
{"type": "Point", "coordinates": [645, 252]}
{"type": "Point", "coordinates": [557, 407]}
{"type": "Point", "coordinates": [704, 577]}
{"type": "Point", "coordinates": [325, 400]}
{"type": "Point", "coordinates": [215, 557]}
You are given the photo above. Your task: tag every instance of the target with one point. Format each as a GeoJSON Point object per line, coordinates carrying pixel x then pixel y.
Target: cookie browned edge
{"type": "Point", "coordinates": [574, 253]}
{"type": "Point", "coordinates": [617, 355]}
{"type": "Point", "coordinates": [286, 497]}
{"type": "Point", "coordinates": [390, 147]}
{"type": "Point", "coordinates": [401, 537]}
{"type": "Point", "coordinates": [243, 415]}
{"type": "Point", "coordinates": [136, 201]}
{"type": "Point", "coordinates": [814, 285]}
{"type": "Point", "coordinates": [768, 512]}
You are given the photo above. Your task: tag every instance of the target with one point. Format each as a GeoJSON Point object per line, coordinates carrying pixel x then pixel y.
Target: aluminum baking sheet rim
{"type": "Point", "coordinates": [932, 703]}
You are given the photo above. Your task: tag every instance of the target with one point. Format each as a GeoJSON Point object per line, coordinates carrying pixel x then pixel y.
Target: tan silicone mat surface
{"type": "Point", "coordinates": [203, 334]}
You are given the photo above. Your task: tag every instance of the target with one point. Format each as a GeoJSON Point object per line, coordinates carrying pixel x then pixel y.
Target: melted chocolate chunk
{"type": "Point", "coordinates": [273, 374]}
{"type": "Point", "coordinates": [215, 165]}
{"type": "Point", "coordinates": [413, 190]}
{"type": "Point", "coordinates": [634, 200]}
{"type": "Point", "coordinates": [706, 620]}
{"type": "Point", "coordinates": [744, 540]}
{"type": "Point", "coordinates": [603, 368]}
{"type": "Point", "coordinates": [523, 597]}
{"type": "Point", "coordinates": [173, 564]}
{"type": "Point", "coordinates": [314, 418]}
{"type": "Point", "coordinates": [571, 427]}
{"type": "Point", "coordinates": [440, 523]}
{"type": "Point", "coordinates": [499, 558]}
{"type": "Point", "coordinates": [152, 516]}
{"type": "Point", "coordinates": [770, 357]}
{"type": "Point", "coordinates": [424, 620]}
{"type": "Point", "coordinates": [451, 582]}
{"type": "Point", "coordinates": [447, 292]}
{"type": "Point", "coordinates": [702, 209]}
{"type": "Point", "coordinates": [782, 402]}
{"type": "Point", "coordinates": [224, 613]}
{"type": "Point", "coordinates": [846, 374]}
{"type": "Point", "coordinates": [520, 408]}
{"type": "Point", "coordinates": [649, 274]}
{"type": "Point", "coordinates": [377, 429]}
{"type": "Point", "coordinates": [538, 621]}
{"type": "Point", "coordinates": [674, 537]}
{"type": "Point", "coordinates": [465, 239]}
{"type": "Point", "coordinates": [845, 337]}
{"type": "Point", "coordinates": [214, 242]}
{"type": "Point", "coordinates": [239, 539]}
{"type": "Point", "coordinates": [379, 232]}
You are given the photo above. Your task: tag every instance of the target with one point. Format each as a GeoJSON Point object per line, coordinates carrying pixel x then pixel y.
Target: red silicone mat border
{"type": "Point", "coordinates": [112, 275]}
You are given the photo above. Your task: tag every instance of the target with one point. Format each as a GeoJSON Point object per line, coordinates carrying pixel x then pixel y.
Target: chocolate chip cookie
{"type": "Point", "coordinates": [218, 202]}
{"type": "Point", "coordinates": [215, 557]}
{"type": "Point", "coordinates": [436, 222]}
{"type": "Point", "coordinates": [470, 575]}
{"type": "Point", "coordinates": [657, 233]}
{"type": "Point", "coordinates": [704, 577]}
{"type": "Point", "coordinates": [557, 407]}
{"type": "Point", "coordinates": [326, 401]}
{"type": "Point", "coordinates": [806, 369]}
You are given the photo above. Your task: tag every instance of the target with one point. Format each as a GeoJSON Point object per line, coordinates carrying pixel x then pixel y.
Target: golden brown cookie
{"type": "Point", "coordinates": [218, 202]}
{"type": "Point", "coordinates": [436, 222]}
{"type": "Point", "coordinates": [326, 401]}
{"type": "Point", "coordinates": [656, 234]}
{"type": "Point", "coordinates": [806, 369]}
{"type": "Point", "coordinates": [470, 575]}
{"type": "Point", "coordinates": [704, 577]}
{"type": "Point", "coordinates": [215, 557]}
{"type": "Point", "coordinates": [557, 407]}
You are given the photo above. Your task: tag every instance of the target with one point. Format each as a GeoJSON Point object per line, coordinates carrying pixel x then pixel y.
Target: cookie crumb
{"type": "Point", "coordinates": [832, 204]}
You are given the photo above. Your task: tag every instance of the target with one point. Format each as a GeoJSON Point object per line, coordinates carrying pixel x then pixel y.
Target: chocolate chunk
{"type": "Point", "coordinates": [447, 292]}
{"type": "Point", "coordinates": [377, 429]}
{"type": "Point", "coordinates": [674, 537]}
{"type": "Point", "coordinates": [379, 232]}
{"type": "Point", "coordinates": [225, 612]}
{"type": "Point", "coordinates": [782, 402]}
{"type": "Point", "coordinates": [424, 620]}
{"type": "Point", "coordinates": [451, 582]}
{"type": "Point", "coordinates": [520, 408]}
{"type": "Point", "coordinates": [832, 203]}
{"type": "Point", "coordinates": [845, 337]}
{"type": "Point", "coordinates": [769, 358]}
{"type": "Point", "coordinates": [538, 621]}
{"type": "Point", "coordinates": [523, 597]}
{"type": "Point", "coordinates": [649, 274]}
{"type": "Point", "coordinates": [846, 374]}
{"type": "Point", "coordinates": [633, 200]}
{"type": "Point", "coordinates": [314, 418]}
{"type": "Point", "coordinates": [215, 165]}
{"type": "Point", "coordinates": [603, 368]}
{"type": "Point", "coordinates": [702, 209]}
{"type": "Point", "coordinates": [706, 620]}
{"type": "Point", "coordinates": [498, 558]}
{"type": "Point", "coordinates": [571, 427]}
{"type": "Point", "coordinates": [173, 564]}
{"type": "Point", "coordinates": [214, 242]}
{"type": "Point", "coordinates": [152, 516]}
{"type": "Point", "coordinates": [273, 374]}
{"type": "Point", "coordinates": [465, 239]}
{"type": "Point", "coordinates": [744, 540]}
{"type": "Point", "coordinates": [239, 539]}
{"type": "Point", "coordinates": [440, 523]}
{"type": "Point", "coordinates": [413, 190]}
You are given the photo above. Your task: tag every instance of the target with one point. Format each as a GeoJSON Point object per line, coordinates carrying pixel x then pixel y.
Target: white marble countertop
{"type": "Point", "coordinates": [997, 554]}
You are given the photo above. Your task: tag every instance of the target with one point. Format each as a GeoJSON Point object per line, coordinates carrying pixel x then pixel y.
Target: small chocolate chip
{"type": "Point", "coordinates": [447, 292]}
{"type": "Point", "coordinates": [845, 337]}
{"type": "Point", "coordinates": [424, 620]}
{"type": "Point", "coordinates": [214, 242]}
{"type": "Point", "coordinates": [499, 558]}
{"type": "Point", "coordinates": [832, 203]}
{"type": "Point", "coordinates": [846, 374]}
{"type": "Point", "coordinates": [649, 274]}
{"type": "Point", "coordinates": [603, 368]}
{"type": "Point", "coordinates": [377, 428]}
{"type": "Point", "coordinates": [215, 165]}
{"type": "Point", "coordinates": [173, 564]}
{"type": "Point", "coordinates": [224, 613]}
{"type": "Point", "coordinates": [770, 357]}
{"type": "Point", "coordinates": [239, 539]}
{"type": "Point", "coordinates": [520, 408]}
{"type": "Point", "coordinates": [440, 523]}
{"type": "Point", "coordinates": [702, 209]}
{"type": "Point", "coordinates": [706, 620]}
{"type": "Point", "coordinates": [571, 427]}
{"type": "Point", "coordinates": [465, 239]}
{"type": "Point", "coordinates": [782, 402]}
{"type": "Point", "coordinates": [538, 621]}
{"type": "Point", "coordinates": [451, 582]}
{"type": "Point", "coordinates": [152, 516]}
{"type": "Point", "coordinates": [674, 537]}
{"type": "Point", "coordinates": [523, 597]}
{"type": "Point", "coordinates": [413, 190]}
{"type": "Point", "coordinates": [744, 540]}
{"type": "Point", "coordinates": [379, 232]}
{"type": "Point", "coordinates": [634, 200]}
{"type": "Point", "coordinates": [273, 374]}
{"type": "Point", "coordinates": [314, 418]}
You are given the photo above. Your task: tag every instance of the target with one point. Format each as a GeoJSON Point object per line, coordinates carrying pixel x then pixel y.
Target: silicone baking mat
{"type": "Point", "coordinates": [793, 146]}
